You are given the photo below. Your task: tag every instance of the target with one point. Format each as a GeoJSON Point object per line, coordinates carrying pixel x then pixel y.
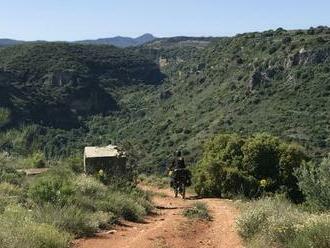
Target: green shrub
{"type": "Point", "coordinates": [52, 189]}
{"type": "Point", "coordinates": [261, 156]}
{"type": "Point", "coordinates": [84, 201]}
{"type": "Point", "coordinates": [10, 190]}
{"type": "Point", "coordinates": [10, 175]}
{"type": "Point", "coordinates": [292, 157]}
{"type": "Point", "coordinates": [38, 160]}
{"type": "Point", "coordinates": [199, 210]}
{"type": "Point", "coordinates": [143, 198]}
{"type": "Point", "coordinates": [251, 222]}
{"type": "Point", "coordinates": [75, 163]}
{"type": "Point", "coordinates": [122, 205]}
{"type": "Point", "coordinates": [89, 186]}
{"type": "Point", "coordinates": [207, 179]}
{"type": "Point", "coordinates": [69, 218]}
{"type": "Point", "coordinates": [314, 233]}
{"type": "Point", "coordinates": [103, 219]}
{"type": "Point", "coordinates": [236, 182]}
{"type": "Point", "coordinates": [314, 182]}
{"type": "Point", "coordinates": [233, 165]}
{"type": "Point", "coordinates": [9, 195]}
{"type": "Point", "coordinates": [282, 227]}
{"type": "Point", "coordinates": [277, 223]}
{"type": "Point", "coordinates": [17, 230]}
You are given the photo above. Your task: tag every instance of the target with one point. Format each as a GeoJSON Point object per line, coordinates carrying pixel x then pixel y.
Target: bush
{"type": "Point", "coordinates": [10, 175]}
{"type": "Point", "coordinates": [251, 222]}
{"type": "Point", "coordinates": [261, 156]}
{"type": "Point", "coordinates": [233, 165]}
{"type": "Point", "coordinates": [71, 219]}
{"type": "Point", "coordinates": [276, 222]}
{"type": "Point", "coordinates": [291, 158]}
{"type": "Point", "coordinates": [103, 219]}
{"type": "Point", "coordinates": [66, 205]}
{"type": "Point", "coordinates": [9, 194]}
{"type": "Point", "coordinates": [11, 190]}
{"type": "Point", "coordinates": [122, 205]}
{"type": "Point", "coordinates": [51, 189]}
{"type": "Point", "coordinates": [315, 233]}
{"type": "Point", "coordinates": [314, 182]}
{"type": "Point", "coordinates": [89, 186]}
{"type": "Point", "coordinates": [236, 182]}
{"type": "Point", "coordinates": [198, 211]}
{"type": "Point", "coordinates": [75, 163]}
{"type": "Point", "coordinates": [38, 160]}
{"type": "Point", "coordinates": [207, 179]}
{"type": "Point", "coordinates": [17, 229]}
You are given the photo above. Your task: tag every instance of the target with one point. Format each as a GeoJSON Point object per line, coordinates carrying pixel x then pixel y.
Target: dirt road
{"type": "Point", "coordinates": [169, 229]}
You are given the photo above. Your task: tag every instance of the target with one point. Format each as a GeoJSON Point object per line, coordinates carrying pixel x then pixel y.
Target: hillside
{"type": "Point", "coordinates": [274, 81]}
{"type": "Point", "coordinates": [55, 84]}
{"type": "Point", "coordinates": [120, 41]}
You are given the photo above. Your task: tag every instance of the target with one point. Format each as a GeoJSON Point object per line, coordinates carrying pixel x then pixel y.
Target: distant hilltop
{"type": "Point", "coordinates": [9, 42]}
{"type": "Point", "coordinates": [121, 41]}
{"type": "Point", "coordinates": [118, 41]}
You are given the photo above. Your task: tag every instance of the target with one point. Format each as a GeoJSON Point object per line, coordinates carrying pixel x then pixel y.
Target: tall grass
{"type": "Point", "coordinates": [51, 209]}
{"type": "Point", "coordinates": [19, 229]}
{"type": "Point", "coordinates": [275, 221]}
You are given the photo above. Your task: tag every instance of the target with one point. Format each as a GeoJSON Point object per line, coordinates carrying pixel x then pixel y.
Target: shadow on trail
{"type": "Point", "coordinates": [193, 197]}
{"type": "Point", "coordinates": [169, 208]}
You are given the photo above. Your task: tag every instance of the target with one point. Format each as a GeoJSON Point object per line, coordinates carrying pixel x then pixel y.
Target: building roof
{"type": "Point", "coordinates": [103, 152]}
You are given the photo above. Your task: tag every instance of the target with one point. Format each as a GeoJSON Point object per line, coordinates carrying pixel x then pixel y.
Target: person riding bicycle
{"type": "Point", "coordinates": [177, 166]}
{"type": "Point", "coordinates": [178, 162]}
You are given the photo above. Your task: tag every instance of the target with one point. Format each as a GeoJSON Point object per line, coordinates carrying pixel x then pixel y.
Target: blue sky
{"type": "Point", "coordinates": [82, 19]}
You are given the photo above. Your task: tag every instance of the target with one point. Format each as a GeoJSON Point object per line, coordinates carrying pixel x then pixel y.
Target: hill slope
{"type": "Point", "coordinates": [274, 81]}
{"type": "Point", "coordinates": [54, 84]}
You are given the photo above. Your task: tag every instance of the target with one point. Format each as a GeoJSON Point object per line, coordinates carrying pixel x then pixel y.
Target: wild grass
{"type": "Point", "coordinates": [160, 182]}
{"type": "Point", "coordinates": [19, 229]}
{"type": "Point", "coordinates": [275, 221]}
{"type": "Point", "coordinates": [60, 205]}
{"type": "Point", "coordinates": [199, 210]}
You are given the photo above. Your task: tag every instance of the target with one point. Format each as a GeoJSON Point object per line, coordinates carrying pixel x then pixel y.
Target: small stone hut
{"type": "Point", "coordinates": [110, 159]}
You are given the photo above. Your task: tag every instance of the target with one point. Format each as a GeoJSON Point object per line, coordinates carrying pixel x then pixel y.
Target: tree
{"type": "Point", "coordinates": [261, 156]}
{"type": "Point", "coordinates": [314, 182]}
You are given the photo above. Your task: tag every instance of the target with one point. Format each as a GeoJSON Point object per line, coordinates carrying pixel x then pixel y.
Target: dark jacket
{"type": "Point", "coordinates": [178, 163]}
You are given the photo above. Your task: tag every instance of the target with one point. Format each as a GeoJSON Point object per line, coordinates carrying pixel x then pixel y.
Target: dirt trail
{"type": "Point", "coordinates": [169, 229]}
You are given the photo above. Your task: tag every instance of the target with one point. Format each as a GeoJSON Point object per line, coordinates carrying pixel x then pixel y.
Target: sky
{"type": "Point", "coordinates": [89, 19]}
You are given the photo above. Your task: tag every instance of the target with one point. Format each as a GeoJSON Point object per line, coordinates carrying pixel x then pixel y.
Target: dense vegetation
{"type": "Point", "coordinates": [56, 84]}
{"type": "Point", "coordinates": [275, 222]}
{"type": "Point", "coordinates": [57, 97]}
{"type": "Point", "coordinates": [233, 165]}
{"type": "Point", "coordinates": [53, 208]}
